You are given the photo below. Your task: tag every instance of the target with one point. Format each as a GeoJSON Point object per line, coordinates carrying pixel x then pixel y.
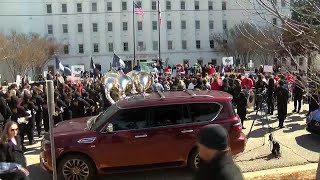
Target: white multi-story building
{"type": "Point", "coordinates": [98, 28]}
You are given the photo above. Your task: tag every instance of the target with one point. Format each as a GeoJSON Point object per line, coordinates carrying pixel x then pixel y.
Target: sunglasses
{"type": "Point", "coordinates": [12, 130]}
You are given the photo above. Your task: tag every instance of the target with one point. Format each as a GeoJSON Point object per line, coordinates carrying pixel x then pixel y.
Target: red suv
{"type": "Point", "coordinates": [156, 130]}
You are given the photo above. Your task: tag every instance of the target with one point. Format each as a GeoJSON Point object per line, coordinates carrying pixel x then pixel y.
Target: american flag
{"type": "Point", "coordinates": [138, 9]}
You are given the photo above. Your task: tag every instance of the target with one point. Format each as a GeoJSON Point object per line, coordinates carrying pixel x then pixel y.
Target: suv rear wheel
{"type": "Point", "coordinates": [194, 160]}
{"type": "Point", "coordinates": [76, 167]}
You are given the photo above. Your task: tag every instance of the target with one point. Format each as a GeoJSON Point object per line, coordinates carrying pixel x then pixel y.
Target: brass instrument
{"type": "Point", "coordinates": [119, 86]}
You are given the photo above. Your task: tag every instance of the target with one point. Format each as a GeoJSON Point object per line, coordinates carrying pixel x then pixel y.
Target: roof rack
{"type": "Point", "coordinates": [162, 96]}
{"type": "Point", "coordinates": [191, 93]}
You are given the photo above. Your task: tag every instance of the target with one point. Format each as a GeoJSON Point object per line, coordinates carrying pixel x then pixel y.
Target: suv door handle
{"type": "Point", "coordinates": [187, 131]}
{"type": "Point", "coordinates": [141, 136]}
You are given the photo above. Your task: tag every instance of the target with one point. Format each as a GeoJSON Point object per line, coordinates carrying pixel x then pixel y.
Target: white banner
{"type": "Point", "coordinates": [227, 61]}
{"type": "Point", "coordinates": [267, 68]}
{"type": "Point", "coordinates": [76, 70]}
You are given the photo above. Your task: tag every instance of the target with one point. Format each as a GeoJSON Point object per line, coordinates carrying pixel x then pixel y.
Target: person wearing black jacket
{"type": "Point", "coordinates": [39, 113]}
{"type": "Point", "coordinates": [30, 107]}
{"type": "Point", "coordinates": [282, 103]}
{"type": "Point", "coordinates": [79, 106]}
{"type": "Point", "coordinates": [5, 111]}
{"type": "Point", "coordinates": [215, 160]}
{"type": "Point", "coordinates": [297, 94]}
{"type": "Point", "coordinates": [59, 108]}
{"type": "Point", "coordinates": [260, 86]}
{"type": "Point", "coordinates": [270, 96]}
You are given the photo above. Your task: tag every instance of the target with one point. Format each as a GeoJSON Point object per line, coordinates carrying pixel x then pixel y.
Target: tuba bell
{"type": "Point", "coordinates": [143, 81]}
{"type": "Point", "coordinates": [110, 85]}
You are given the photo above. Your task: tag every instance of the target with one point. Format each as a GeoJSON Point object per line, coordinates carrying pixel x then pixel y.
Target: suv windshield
{"type": "Point", "coordinates": [103, 117]}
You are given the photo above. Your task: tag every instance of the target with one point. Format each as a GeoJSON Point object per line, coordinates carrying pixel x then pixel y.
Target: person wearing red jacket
{"type": "Point", "coordinates": [211, 70]}
{"type": "Point", "coordinates": [247, 83]}
{"type": "Point", "coordinates": [216, 85]}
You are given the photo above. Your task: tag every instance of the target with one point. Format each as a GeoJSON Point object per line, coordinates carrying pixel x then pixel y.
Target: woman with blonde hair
{"type": "Point", "coordinates": [12, 160]}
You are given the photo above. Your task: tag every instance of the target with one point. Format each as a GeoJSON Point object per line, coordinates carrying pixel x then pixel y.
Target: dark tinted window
{"type": "Point", "coordinates": [130, 119]}
{"type": "Point", "coordinates": [168, 115]}
{"type": "Point", "coordinates": [202, 112]}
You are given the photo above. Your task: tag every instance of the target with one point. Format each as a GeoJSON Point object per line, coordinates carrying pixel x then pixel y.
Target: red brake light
{"type": "Point", "coordinates": [236, 129]}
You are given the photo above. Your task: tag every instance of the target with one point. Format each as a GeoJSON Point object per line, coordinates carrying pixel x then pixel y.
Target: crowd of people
{"type": "Point", "coordinates": [23, 109]}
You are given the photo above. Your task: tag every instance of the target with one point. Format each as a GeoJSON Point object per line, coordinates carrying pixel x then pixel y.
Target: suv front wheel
{"type": "Point", "coordinates": [76, 167]}
{"type": "Point", "coordinates": [194, 160]}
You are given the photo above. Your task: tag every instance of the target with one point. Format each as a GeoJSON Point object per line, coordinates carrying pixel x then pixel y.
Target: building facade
{"type": "Point", "coordinates": [99, 28]}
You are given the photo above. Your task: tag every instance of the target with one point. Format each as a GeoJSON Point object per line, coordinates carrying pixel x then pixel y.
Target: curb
{"type": "Point", "coordinates": [284, 170]}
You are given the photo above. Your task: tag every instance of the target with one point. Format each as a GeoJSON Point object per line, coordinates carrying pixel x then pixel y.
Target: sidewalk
{"type": "Point", "coordinates": [307, 171]}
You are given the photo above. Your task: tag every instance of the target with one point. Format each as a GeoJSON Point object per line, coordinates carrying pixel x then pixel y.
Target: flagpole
{"type": "Point", "coordinates": [159, 32]}
{"type": "Point", "coordinates": [134, 35]}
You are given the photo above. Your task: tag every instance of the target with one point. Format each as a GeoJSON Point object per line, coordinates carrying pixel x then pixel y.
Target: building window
{"type": "Point", "coordinates": [169, 45]}
{"type": "Point", "coordinates": [154, 5]}
{"type": "Point", "coordinates": [197, 24]}
{"type": "Point", "coordinates": [168, 5]}
{"type": "Point", "coordinates": [139, 3]}
{"type": "Point", "coordinates": [225, 41]}
{"type": "Point", "coordinates": [65, 28]}
{"type": "Point", "coordinates": [109, 26]}
{"type": "Point", "coordinates": [49, 8]}
{"type": "Point", "coordinates": [110, 47]}
{"type": "Point", "coordinates": [95, 27]}
{"type": "Point", "coordinates": [50, 29]}
{"type": "Point", "coordinates": [210, 5]}
{"type": "Point", "coordinates": [274, 21]}
{"type": "Point", "coordinates": [125, 26]}
{"type": "Point", "coordinates": [125, 46]}
{"type": "Point", "coordinates": [155, 45]}
{"type": "Point", "coordinates": [80, 30]}
{"type": "Point", "coordinates": [64, 8]}
{"type": "Point", "coordinates": [81, 48]}
{"type": "Point", "coordinates": [140, 25]}
{"type": "Point", "coordinates": [211, 25]}
{"type": "Point", "coordinates": [183, 24]}
{"type": "Point", "coordinates": [94, 7]}
{"type": "Point", "coordinates": [79, 7]}
{"type": "Point", "coordinates": [169, 25]}
{"type": "Point", "coordinates": [283, 3]}
{"type": "Point", "coordinates": [140, 46]}
{"type": "Point", "coordinates": [66, 49]}
{"type": "Point", "coordinates": [96, 47]}
{"type": "Point", "coordinates": [224, 5]}
{"type": "Point", "coordinates": [183, 5]}
{"type": "Point", "coordinates": [154, 25]}
{"type": "Point", "coordinates": [211, 44]}
{"type": "Point", "coordinates": [196, 5]}
{"type": "Point", "coordinates": [224, 25]}
{"type": "Point", "coordinates": [109, 6]}
{"type": "Point", "coordinates": [124, 6]}
{"type": "Point", "coordinates": [200, 62]}
{"type": "Point", "coordinates": [184, 44]}
{"type": "Point", "coordinates": [213, 61]}
{"type": "Point", "coordinates": [198, 44]}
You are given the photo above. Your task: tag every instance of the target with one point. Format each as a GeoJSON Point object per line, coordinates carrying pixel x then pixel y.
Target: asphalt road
{"type": "Point", "coordinates": [297, 145]}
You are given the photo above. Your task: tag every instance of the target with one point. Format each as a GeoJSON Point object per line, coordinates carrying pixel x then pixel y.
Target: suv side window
{"type": "Point", "coordinates": [202, 112]}
{"type": "Point", "coordinates": [130, 119]}
{"type": "Point", "coordinates": [168, 115]}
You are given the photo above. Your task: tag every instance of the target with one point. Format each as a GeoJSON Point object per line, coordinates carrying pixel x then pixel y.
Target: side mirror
{"type": "Point", "coordinates": [110, 127]}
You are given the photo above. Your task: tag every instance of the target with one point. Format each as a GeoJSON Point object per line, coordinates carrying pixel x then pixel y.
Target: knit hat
{"type": "Point", "coordinates": [214, 137]}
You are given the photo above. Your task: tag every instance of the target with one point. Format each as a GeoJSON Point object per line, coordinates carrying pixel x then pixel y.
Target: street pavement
{"type": "Point", "coordinates": [298, 147]}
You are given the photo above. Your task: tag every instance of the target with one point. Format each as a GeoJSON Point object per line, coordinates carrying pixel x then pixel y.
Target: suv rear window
{"type": "Point", "coordinates": [202, 112]}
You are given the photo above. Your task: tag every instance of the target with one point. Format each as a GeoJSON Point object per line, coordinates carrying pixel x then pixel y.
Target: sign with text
{"type": "Point", "coordinates": [226, 61]}
{"type": "Point", "coordinates": [76, 70]}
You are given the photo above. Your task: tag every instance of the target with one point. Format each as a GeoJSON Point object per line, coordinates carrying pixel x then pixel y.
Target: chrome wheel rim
{"type": "Point", "coordinates": [197, 161]}
{"type": "Point", "coordinates": [75, 169]}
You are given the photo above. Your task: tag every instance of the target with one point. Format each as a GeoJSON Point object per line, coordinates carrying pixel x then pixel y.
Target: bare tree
{"type": "Point", "coordinates": [298, 33]}
{"type": "Point", "coordinates": [22, 52]}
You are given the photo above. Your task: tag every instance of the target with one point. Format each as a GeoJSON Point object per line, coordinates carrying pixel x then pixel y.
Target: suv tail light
{"type": "Point", "coordinates": [236, 129]}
